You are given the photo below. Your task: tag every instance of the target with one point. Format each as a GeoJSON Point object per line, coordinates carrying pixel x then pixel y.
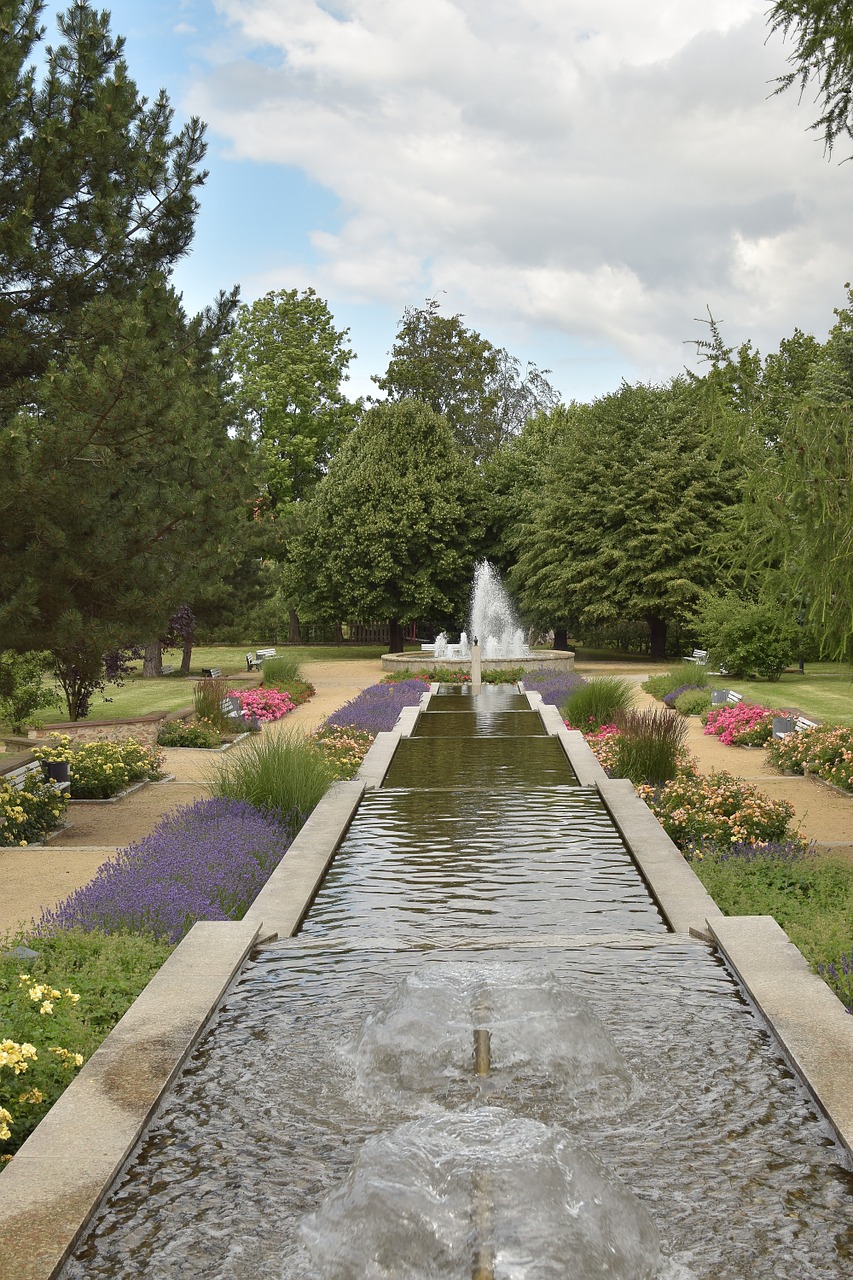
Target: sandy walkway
{"type": "Point", "coordinates": [34, 878]}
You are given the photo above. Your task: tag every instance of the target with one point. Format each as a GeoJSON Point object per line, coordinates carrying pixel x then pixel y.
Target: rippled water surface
{"type": "Point", "coordinates": [330, 1124]}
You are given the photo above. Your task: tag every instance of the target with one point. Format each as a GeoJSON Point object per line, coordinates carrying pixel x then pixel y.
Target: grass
{"type": "Point", "coordinates": [811, 898]}
{"type": "Point", "coordinates": [649, 745]}
{"type": "Point", "coordinates": [824, 692]}
{"type": "Point", "coordinates": [281, 774]}
{"type": "Point", "coordinates": [139, 697]}
{"type": "Point", "coordinates": [598, 702]}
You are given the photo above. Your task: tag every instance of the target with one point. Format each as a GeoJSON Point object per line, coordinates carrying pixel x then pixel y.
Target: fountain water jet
{"type": "Point", "coordinates": [493, 621]}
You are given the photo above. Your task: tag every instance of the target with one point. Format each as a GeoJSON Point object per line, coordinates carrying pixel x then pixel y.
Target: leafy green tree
{"type": "Point", "coordinates": [291, 361]}
{"type": "Point", "coordinates": [822, 59]}
{"type": "Point", "coordinates": [96, 192]}
{"type": "Point", "coordinates": [394, 529]}
{"type": "Point", "coordinates": [479, 388]}
{"type": "Point", "coordinates": [120, 483]}
{"type": "Point", "coordinates": [747, 637]}
{"type": "Point", "coordinates": [625, 522]}
{"type": "Point", "coordinates": [23, 692]}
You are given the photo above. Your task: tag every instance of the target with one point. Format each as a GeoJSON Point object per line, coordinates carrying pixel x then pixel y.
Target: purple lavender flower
{"type": "Point", "coordinates": [206, 861]}
{"type": "Point", "coordinates": [670, 697]}
{"type": "Point", "coordinates": [375, 709]}
{"type": "Point", "coordinates": [839, 976]}
{"type": "Point", "coordinates": [555, 686]}
{"type": "Point", "coordinates": [742, 851]}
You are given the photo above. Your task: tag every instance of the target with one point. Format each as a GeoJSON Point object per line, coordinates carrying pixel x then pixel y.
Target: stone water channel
{"type": "Point", "coordinates": [633, 1119]}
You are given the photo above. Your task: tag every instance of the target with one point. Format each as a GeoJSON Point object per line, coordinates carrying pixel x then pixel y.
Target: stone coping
{"type": "Point", "coordinates": [56, 1182]}
{"type": "Point", "coordinates": [556, 659]}
{"type": "Point", "coordinates": [811, 1025]}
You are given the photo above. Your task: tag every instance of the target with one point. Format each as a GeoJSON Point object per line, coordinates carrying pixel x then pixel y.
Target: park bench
{"type": "Point", "coordinates": [265, 653]}
{"type": "Point", "coordinates": [253, 662]}
{"type": "Point", "coordinates": [211, 673]}
{"type": "Point", "coordinates": [698, 655]}
{"type": "Point", "coordinates": [783, 726]}
{"type": "Point", "coordinates": [167, 670]}
{"type": "Point", "coordinates": [17, 777]}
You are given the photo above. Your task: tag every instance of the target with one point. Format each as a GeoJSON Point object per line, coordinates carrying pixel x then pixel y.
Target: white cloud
{"type": "Point", "coordinates": [595, 168]}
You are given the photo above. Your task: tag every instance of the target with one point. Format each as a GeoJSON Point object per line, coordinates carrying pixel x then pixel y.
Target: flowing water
{"type": "Point", "coordinates": [484, 1056]}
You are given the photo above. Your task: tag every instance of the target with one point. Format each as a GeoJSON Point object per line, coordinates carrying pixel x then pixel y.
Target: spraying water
{"type": "Point", "coordinates": [492, 620]}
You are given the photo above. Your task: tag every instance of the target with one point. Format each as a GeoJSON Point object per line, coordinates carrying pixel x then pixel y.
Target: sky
{"type": "Point", "coordinates": [583, 180]}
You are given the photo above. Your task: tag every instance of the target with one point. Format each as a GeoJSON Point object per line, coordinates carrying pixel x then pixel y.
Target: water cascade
{"type": "Point", "coordinates": [485, 1055]}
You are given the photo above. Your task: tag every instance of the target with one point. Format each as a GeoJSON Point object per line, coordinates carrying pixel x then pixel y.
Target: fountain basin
{"type": "Point", "coordinates": [551, 659]}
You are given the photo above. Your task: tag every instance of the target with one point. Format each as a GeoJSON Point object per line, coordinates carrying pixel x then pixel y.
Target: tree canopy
{"type": "Point", "coordinates": [624, 522]}
{"type": "Point", "coordinates": [393, 531]}
{"type": "Point", "coordinates": [822, 59]}
{"type": "Point", "coordinates": [290, 362]}
{"type": "Point", "coordinates": [479, 388]}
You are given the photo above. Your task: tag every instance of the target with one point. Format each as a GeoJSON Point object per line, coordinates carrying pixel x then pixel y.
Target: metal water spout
{"type": "Point", "coordinates": [476, 667]}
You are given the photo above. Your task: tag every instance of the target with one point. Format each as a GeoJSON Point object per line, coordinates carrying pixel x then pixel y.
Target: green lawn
{"type": "Point", "coordinates": [825, 692]}
{"type": "Point", "coordinates": [138, 697]}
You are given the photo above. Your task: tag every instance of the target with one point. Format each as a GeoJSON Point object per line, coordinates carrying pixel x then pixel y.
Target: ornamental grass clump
{"type": "Point", "coordinates": [684, 675]}
{"type": "Point", "coordinates": [554, 686]}
{"type": "Point", "coordinates": [649, 745]}
{"type": "Point", "coordinates": [206, 861]}
{"type": "Point", "coordinates": [601, 700]}
{"type": "Point", "coordinates": [282, 775]}
{"type": "Point", "coordinates": [284, 674]}
{"type": "Point", "coordinates": [375, 709]}
{"type": "Point", "coordinates": [693, 702]}
{"type": "Point", "coordinates": [208, 696]}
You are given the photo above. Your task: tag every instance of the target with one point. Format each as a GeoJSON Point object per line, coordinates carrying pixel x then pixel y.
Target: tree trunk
{"type": "Point", "coordinates": [561, 638]}
{"type": "Point", "coordinates": [295, 633]}
{"type": "Point", "coordinates": [186, 657]}
{"type": "Point", "coordinates": [657, 638]}
{"type": "Point", "coordinates": [339, 633]}
{"type": "Point", "coordinates": [397, 639]}
{"type": "Point", "coordinates": [152, 662]}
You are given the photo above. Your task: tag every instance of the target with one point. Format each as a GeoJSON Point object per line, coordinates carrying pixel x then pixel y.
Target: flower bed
{"type": "Point", "coordinates": [343, 746]}
{"type": "Point", "coordinates": [718, 810]}
{"type": "Point", "coordinates": [207, 861]}
{"type": "Point", "coordinates": [745, 725]}
{"type": "Point", "coordinates": [826, 751]}
{"type": "Point", "coordinates": [375, 709]}
{"type": "Point", "coordinates": [555, 686]}
{"type": "Point", "coordinates": [100, 770]}
{"type": "Point", "coordinates": [264, 704]}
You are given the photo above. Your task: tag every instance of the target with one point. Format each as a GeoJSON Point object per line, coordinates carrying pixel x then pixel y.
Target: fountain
{"type": "Point", "coordinates": [493, 623]}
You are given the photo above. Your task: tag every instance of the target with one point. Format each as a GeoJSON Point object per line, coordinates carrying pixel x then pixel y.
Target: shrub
{"type": "Point", "coordinates": [649, 745]}
{"type": "Point", "coordinates": [375, 709]}
{"type": "Point", "coordinates": [207, 861]}
{"type": "Point", "coordinates": [693, 702]}
{"type": "Point", "coordinates": [746, 637]}
{"type": "Point", "coordinates": [28, 815]}
{"type": "Point", "coordinates": [344, 747]}
{"type": "Point", "coordinates": [826, 750]}
{"type": "Point", "coordinates": [183, 733]}
{"type": "Point", "coordinates": [698, 811]}
{"type": "Point", "coordinates": [598, 702]}
{"type": "Point", "coordinates": [284, 776]}
{"type": "Point", "coordinates": [555, 686]}
{"type": "Point", "coordinates": [684, 675]}
{"type": "Point", "coordinates": [23, 692]}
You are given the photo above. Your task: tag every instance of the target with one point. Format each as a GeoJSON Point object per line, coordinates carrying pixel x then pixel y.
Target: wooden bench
{"type": "Point", "coordinates": [265, 653]}
{"type": "Point", "coordinates": [167, 670]}
{"type": "Point", "coordinates": [253, 662]}
{"type": "Point", "coordinates": [698, 655]}
{"type": "Point", "coordinates": [797, 725]}
{"type": "Point", "coordinates": [17, 777]}
{"type": "Point", "coordinates": [211, 673]}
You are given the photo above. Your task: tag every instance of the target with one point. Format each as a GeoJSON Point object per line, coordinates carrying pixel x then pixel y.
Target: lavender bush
{"type": "Point", "coordinates": [206, 861]}
{"type": "Point", "coordinates": [375, 709]}
{"type": "Point", "coordinates": [669, 698]}
{"type": "Point", "coordinates": [555, 686]}
{"type": "Point", "coordinates": [839, 976]}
